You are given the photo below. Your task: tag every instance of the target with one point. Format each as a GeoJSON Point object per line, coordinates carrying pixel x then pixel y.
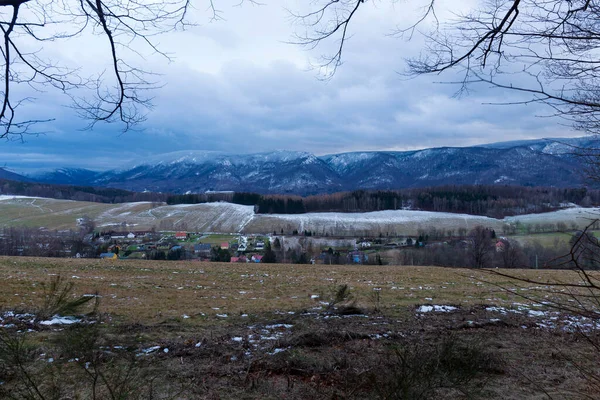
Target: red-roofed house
{"type": "Point", "coordinates": [181, 235]}
{"type": "Point", "coordinates": [224, 245]}
{"type": "Point", "coordinates": [500, 246]}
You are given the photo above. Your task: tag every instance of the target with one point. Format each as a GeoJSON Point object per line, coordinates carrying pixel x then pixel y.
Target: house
{"type": "Point", "coordinates": [364, 243]}
{"type": "Point", "coordinates": [259, 245]}
{"type": "Point", "coordinates": [131, 235]}
{"type": "Point", "coordinates": [257, 258]}
{"type": "Point", "coordinates": [357, 257]}
{"type": "Point", "coordinates": [500, 246]}
{"type": "Point", "coordinates": [225, 245]}
{"type": "Point", "coordinates": [142, 233]}
{"type": "Point", "coordinates": [240, 259]}
{"type": "Point", "coordinates": [181, 235]}
{"type": "Point", "coordinates": [202, 249]}
{"type": "Point", "coordinates": [117, 235]}
{"type": "Point", "coordinates": [111, 256]}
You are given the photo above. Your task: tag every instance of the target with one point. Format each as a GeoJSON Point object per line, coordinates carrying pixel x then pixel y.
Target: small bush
{"type": "Point", "coordinates": [58, 299]}
{"type": "Point", "coordinates": [421, 371]}
{"type": "Point", "coordinates": [340, 294]}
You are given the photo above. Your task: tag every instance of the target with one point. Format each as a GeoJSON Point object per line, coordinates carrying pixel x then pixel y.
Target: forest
{"type": "Point", "coordinates": [491, 200]}
{"type": "Point", "coordinates": [77, 193]}
{"type": "Point", "coordinates": [487, 200]}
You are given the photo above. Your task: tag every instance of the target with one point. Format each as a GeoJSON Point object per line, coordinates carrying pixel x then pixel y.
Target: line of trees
{"type": "Point", "coordinates": [78, 193]}
{"type": "Point", "coordinates": [481, 249]}
{"type": "Point", "coordinates": [492, 201]}
{"type": "Point", "coordinates": [19, 241]}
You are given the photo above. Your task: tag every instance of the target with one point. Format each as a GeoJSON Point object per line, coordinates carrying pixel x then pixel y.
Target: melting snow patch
{"type": "Point", "coordinates": [277, 350]}
{"type": "Point", "coordinates": [151, 349]}
{"type": "Point", "coordinates": [536, 313]}
{"type": "Point", "coordinates": [58, 320]}
{"type": "Point", "coordinates": [279, 326]}
{"type": "Point", "coordinates": [435, 308]}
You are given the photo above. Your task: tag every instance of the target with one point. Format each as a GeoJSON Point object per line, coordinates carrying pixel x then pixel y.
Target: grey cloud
{"type": "Point", "coordinates": [256, 99]}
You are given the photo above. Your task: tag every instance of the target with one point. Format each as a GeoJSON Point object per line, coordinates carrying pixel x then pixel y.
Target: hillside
{"type": "Point", "coordinates": [226, 217]}
{"type": "Point", "coordinates": [545, 162]}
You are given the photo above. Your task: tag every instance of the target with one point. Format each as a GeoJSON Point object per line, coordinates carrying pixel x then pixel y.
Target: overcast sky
{"type": "Point", "coordinates": [238, 86]}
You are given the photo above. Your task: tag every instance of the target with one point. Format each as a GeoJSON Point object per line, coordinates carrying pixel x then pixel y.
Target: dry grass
{"type": "Point", "coordinates": [320, 353]}
{"type": "Point", "coordinates": [155, 291]}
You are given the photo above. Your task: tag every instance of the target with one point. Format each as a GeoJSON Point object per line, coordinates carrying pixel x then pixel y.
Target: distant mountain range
{"type": "Point", "coordinates": [544, 162]}
{"type": "Point", "coordinates": [11, 176]}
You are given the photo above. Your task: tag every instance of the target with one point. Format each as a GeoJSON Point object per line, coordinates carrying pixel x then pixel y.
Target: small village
{"type": "Point", "coordinates": [150, 245]}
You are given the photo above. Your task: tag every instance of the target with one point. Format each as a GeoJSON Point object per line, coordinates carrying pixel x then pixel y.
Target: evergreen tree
{"type": "Point", "coordinates": [269, 257]}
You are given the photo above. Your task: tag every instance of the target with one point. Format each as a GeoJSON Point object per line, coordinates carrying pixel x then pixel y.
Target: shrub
{"type": "Point", "coordinates": [422, 370]}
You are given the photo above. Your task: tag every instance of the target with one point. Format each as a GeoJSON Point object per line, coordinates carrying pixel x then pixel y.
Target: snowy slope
{"type": "Point", "coordinates": [545, 162]}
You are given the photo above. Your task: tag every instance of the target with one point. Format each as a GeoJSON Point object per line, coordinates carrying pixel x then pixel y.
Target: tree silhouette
{"type": "Point", "coordinates": [547, 49]}
{"type": "Point", "coordinates": [129, 28]}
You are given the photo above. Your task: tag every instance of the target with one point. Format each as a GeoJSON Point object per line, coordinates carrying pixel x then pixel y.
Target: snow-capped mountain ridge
{"type": "Point", "coordinates": [545, 162]}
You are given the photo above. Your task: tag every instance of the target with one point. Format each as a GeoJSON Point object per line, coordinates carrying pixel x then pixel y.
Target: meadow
{"type": "Point", "coordinates": [210, 330]}
{"type": "Point", "coordinates": [152, 291]}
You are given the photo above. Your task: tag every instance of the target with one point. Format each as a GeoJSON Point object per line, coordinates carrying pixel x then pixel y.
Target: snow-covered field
{"type": "Point", "coordinates": [581, 216]}
{"type": "Point", "coordinates": [233, 218]}
{"type": "Point", "coordinates": [4, 197]}
{"type": "Point", "coordinates": [402, 222]}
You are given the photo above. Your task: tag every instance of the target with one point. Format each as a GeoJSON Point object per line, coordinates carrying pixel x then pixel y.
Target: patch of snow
{"type": "Point", "coordinates": [435, 308]}
{"type": "Point", "coordinates": [536, 313]}
{"type": "Point", "coordinates": [58, 320]}
{"type": "Point", "coordinates": [277, 350]}
{"type": "Point", "coordinates": [279, 326]}
{"type": "Point", "coordinates": [4, 197]}
{"type": "Point", "coordinates": [151, 349]}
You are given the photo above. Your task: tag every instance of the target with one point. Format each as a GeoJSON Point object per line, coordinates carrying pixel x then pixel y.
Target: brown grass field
{"type": "Point", "coordinates": [259, 331]}
{"type": "Point", "coordinates": [152, 291]}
